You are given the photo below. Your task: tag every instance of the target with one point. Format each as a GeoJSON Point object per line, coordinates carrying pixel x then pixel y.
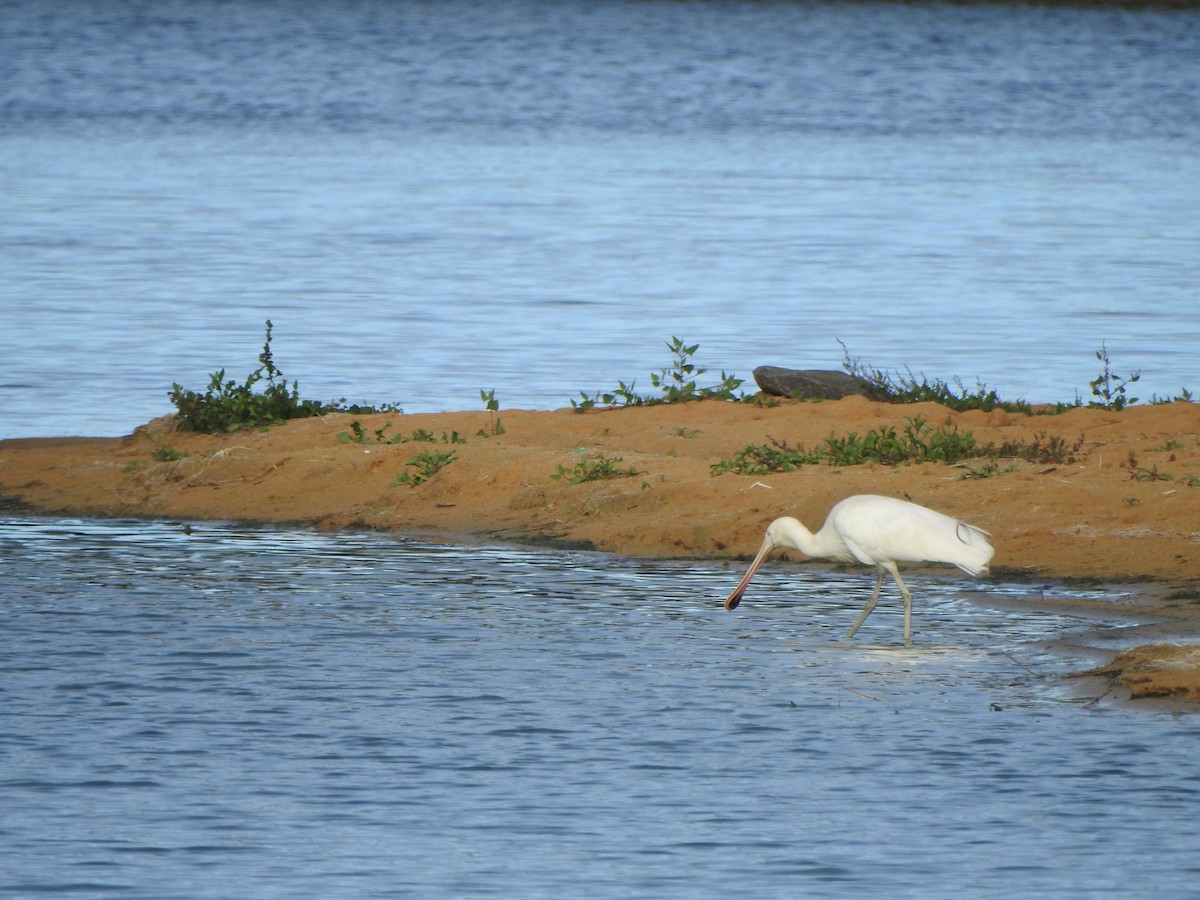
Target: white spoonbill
{"type": "Point", "coordinates": [878, 531]}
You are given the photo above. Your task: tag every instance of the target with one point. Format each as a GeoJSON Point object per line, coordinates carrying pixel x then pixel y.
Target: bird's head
{"type": "Point", "coordinates": [784, 531]}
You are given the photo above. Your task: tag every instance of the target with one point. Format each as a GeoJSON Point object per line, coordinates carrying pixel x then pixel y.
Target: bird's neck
{"type": "Point", "coordinates": [825, 544]}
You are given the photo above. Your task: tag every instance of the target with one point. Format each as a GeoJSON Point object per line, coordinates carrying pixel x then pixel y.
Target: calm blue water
{"type": "Point", "coordinates": [267, 713]}
{"type": "Point", "coordinates": [433, 199]}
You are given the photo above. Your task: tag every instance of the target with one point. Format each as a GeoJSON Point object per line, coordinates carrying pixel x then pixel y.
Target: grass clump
{"type": "Point", "coordinates": [1044, 448]}
{"type": "Point", "coordinates": [167, 453]}
{"type": "Point", "coordinates": [593, 468]}
{"type": "Point", "coordinates": [227, 406]}
{"type": "Point", "coordinates": [916, 443]}
{"type": "Point", "coordinates": [677, 384]}
{"type": "Point", "coordinates": [1109, 390]}
{"type": "Point", "coordinates": [422, 467]}
{"type": "Point", "coordinates": [358, 435]}
{"type": "Point", "coordinates": [762, 459]}
{"type": "Point", "coordinates": [892, 387]}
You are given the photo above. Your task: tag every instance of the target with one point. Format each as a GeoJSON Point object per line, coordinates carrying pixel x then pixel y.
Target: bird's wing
{"type": "Point", "coordinates": [856, 551]}
{"type": "Point", "coordinates": [877, 529]}
{"type": "Point", "coordinates": [969, 534]}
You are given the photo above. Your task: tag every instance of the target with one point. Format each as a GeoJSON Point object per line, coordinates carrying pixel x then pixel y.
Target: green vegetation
{"type": "Point", "coordinates": [422, 467]}
{"type": "Point", "coordinates": [979, 472]}
{"type": "Point", "coordinates": [1184, 396]}
{"type": "Point", "coordinates": [228, 406]}
{"type": "Point", "coordinates": [896, 388]}
{"type": "Point", "coordinates": [267, 398]}
{"type": "Point", "coordinates": [1151, 474]}
{"type": "Point", "coordinates": [593, 468]}
{"type": "Point", "coordinates": [1138, 472]}
{"type": "Point", "coordinates": [167, 453]}
{"type": "Point", "coordinates": [760, 459]}
{"type": "Point", "coordinates": [358, 435]}
{"type": "Point", "coordinates": [492, 405]}
{"type": "Point", "coordinates": [917, 443]}
{"type": "Point", "coordinates": [1109, 388]}
{"type": "Point", "coordinates": [1045, 448]}
{"type": "Point", "coordinates": [676, 384]}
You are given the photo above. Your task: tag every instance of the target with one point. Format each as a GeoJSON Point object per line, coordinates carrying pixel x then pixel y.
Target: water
{"type": "Point", "coordinates": [254, 712]}
{"type": "Point", "coordinates": [433, 199]}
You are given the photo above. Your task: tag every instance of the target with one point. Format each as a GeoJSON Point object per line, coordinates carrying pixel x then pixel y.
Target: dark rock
{"type": "Point", "coordinates": [809, 384]}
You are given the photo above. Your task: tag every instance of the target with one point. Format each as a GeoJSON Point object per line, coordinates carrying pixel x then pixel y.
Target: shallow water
{"type": "Point", "coordinates": [433, 199]}
{"type": "Point", "coordinates": [262, 712]}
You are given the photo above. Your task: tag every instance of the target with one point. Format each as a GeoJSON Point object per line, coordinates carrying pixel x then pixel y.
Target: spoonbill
{"type": "Point", "coordinates": [878, 531]}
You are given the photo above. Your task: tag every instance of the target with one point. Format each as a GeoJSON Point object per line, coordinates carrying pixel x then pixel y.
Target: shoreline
{"type": "Point", "coordinates": [1123, 511]}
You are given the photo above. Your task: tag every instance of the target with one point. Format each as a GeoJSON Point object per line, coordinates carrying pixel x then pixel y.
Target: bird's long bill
{"type": "Point", "coordinates": [735, 598]}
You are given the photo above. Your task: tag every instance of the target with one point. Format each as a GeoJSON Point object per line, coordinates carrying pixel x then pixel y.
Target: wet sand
{"type": "Point", "coordinates": [1126, 512]}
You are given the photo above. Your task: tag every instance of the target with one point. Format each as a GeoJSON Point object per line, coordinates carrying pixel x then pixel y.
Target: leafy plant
{"type": "Point", "coordinates": [762, 459]}
{"type": "Point", "coordinates": [979, 472]}
{"type": "Point", "coordinates": [917, 443]}
{"type": "Point", "coordinates": [1151, 474]}
{"type": "Point", "coordinates": [422, 467]}
{"type": "Point", "coordinates": [1184, 396]}
{"type": "Point", "coordinates": [593, 469]}
{"type": "Point", "coordinates": [881, 446]}
{"type": "Point", "coordinates": [1045, 448]}
{"type": "Point", "coordinates": [167, 453]}
{"type": "Point", "coordinates": [228, 406]}
{"type": "Point", "coordinates": [1109, 388]}
{"type": "Point", "coordinates": [358, 435]}
{"type": "Point", "coordinates": [492, 404]}
{"type": "Point", "coordinates": [677, 384]}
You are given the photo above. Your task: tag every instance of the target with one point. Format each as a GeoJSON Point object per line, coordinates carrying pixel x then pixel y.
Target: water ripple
{"type": "Point", "coordinates": [211, 731]}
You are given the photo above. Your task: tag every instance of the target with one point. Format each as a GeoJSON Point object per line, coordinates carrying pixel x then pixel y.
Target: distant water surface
{"type": "Point", "coordinates": [433, 199]}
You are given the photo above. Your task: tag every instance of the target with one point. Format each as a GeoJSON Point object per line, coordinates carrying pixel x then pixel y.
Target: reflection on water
{"type": "Point", "coordinates": [260, 712]}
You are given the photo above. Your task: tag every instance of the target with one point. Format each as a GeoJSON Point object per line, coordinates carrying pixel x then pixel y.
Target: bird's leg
{"type": "Point", "coordinates": [891, 567]}
{"type": "Point", "coordinates": [870, 603]}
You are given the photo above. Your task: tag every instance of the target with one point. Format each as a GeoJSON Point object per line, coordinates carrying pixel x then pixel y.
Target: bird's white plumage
{"type": "Point", "coordinates": [879, 531]}
{"type": "Point", "coordinates": [875, 529]}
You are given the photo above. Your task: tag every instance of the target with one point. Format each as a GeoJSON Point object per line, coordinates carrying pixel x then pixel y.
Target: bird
{"type": "Point", "coordinates": [878, 531]}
